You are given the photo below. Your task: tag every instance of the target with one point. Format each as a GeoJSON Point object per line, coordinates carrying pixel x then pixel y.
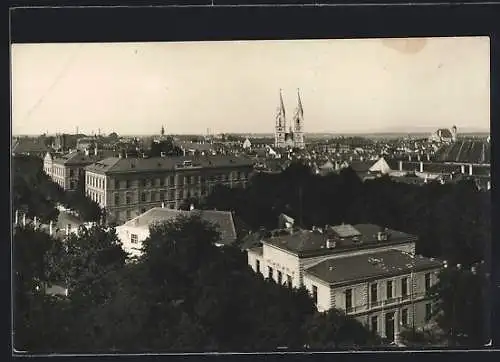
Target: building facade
{"type": "Point", "coordinates": [67, 170]}
{"type": "Point", "coordinates": [292, 137]}
{"type": "Point", "coordinates": [369, 272]}
{"type": "Point", "coordinates": [128, 187]}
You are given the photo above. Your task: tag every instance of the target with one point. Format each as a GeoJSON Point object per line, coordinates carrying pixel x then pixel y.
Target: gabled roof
{"type": "Point", "coordinates": [370, 266]}
{"type": "Point", "coordinates": [361, 166]}
{"type": "Point", "coordinates": [73, 158]}
{"type": "Point", "coordinates": [125, 165]}
{"type": "Point", "coordinates": [222, 220]}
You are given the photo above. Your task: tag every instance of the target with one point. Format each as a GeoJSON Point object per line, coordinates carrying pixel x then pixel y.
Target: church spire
{"type": "Point", "coordinates": [300, 110]}
{"type": "Point", "coordinates": [162, 131]}
{"type": "Point", "coordinates": [281, 115]}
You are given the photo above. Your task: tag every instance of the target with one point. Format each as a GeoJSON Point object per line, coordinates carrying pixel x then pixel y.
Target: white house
{"type": "Point", "coordinates": [370, 272]}
{"type": "Point", "coordinates": [135, 231]}
{"type": "Point", "coordinates": [247, 144]}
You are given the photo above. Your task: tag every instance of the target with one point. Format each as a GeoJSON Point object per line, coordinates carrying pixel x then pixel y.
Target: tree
{"type": "Point", "coordinates": [459, 305]}
{"type": "Point", "coordinates": [334, 330]}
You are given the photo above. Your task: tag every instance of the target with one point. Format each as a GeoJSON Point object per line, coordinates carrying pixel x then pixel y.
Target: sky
{"type": "Point", "coordinates": [350, 86]}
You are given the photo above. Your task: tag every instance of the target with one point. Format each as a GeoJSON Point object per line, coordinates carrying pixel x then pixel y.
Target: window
{"type": "Point", "coordinates": [117, 184]}
{"type": "Point", "coordinates": [128, 199]}
{"type": "Point", "coordinates": [143, 182]}
{"type": "Point", "coordinates": [71, 173]}
{"type": "Point", "coordinates": [427, 281]}
{"type": "Point", "coordinates": [128, 214]}
{"type": "Point", "coordinates": [257, 266]}
{"type": "Point", "coordinates": [162, 181]}
{"type": "Point", "coordinates": [348, 299]}
{"type": "Point", "coordinates": [181, 194]}
{"type": "Point", "coordinates": [389, 289]}
{"type": "Point", "coordinates": [171, 180]}
{"type": "Point", "coordinates": [269, 272]}
{"type": "Point", "coordinates": [171, 195]}
{"type": "Point", "coordinates": [280, 278]}
{"type": "Point", "coordinates": [162, 195]}
{"type": "Point", "coordinates": [373, 293]}
{"type": "Point", "coordinates": [315, 294]}
{"type": "Point", "coordinates": [404, 317]}
{"type": "Point", "coordinates": [134, 239]}
{"type": "Point", "coordinates": [374, 324]}
{"type": "Point", "coordinates": [143, 196]}
{"type": "Point", "coordinates": [404, 287]}
{"type": "Point", "coordinates": [117, 199]}
{"type": "Point", "coordinates": [158, 181]}
{"type": "Point", "coordinates": [428, 311]}
{"type": "Point", "coordinates": [127, 184]}
{"type": "Point", "coordinates": [289, 280]}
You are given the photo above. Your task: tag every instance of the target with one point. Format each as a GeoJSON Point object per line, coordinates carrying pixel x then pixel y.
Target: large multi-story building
{"type": "Point", "coordinates": [66, 170]}
{"type": "Point", "coordinates": [127, 187]}
{"type": "Point", "coordinates": [371, 273]}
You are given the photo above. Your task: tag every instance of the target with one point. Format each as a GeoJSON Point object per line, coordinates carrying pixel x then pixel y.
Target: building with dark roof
{"type": "Point", "coordinates": [127, 187]}
{"type": "Point", "coordinates": [135, 231]}
{"type": "Point", "coordinates": [28, 146]}
{"type": "Point", "coordinates": [366, 270]}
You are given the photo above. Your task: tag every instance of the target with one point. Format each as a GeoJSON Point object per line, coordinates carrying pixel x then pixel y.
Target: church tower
{"type": "Point", "coordinates": [280, 128]}
{"type": "Point", "coordinates": [298, 124]}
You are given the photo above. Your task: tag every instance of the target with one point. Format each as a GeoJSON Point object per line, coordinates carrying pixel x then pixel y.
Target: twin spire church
{"type": "Point", "coordinates": [292, 137]}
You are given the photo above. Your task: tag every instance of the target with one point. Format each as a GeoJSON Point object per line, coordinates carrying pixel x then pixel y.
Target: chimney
{"type": "Point", "coordinates": [421, 166]}
{"type": "Point", "coordinates": [35, 222]}
{"type": "Point", "coordinates": [470, 170]}
{"type": "Point", "coordinates": [191, 207]}
{"type": "Point", "coordinates": [87, 152]}
{"type": "Point", "coordinates": [488, 185]}
{"type": "Point", "coordinates": [50, 228]}
{"type": "Point", "coordinates": [16, 217]}
{"type": "Point", "coordinates": [95, 150]}
{"type": "Point", "coordinates": [418, 157]}
{"type": "Point", "coordinates": [24, 219]}
{"type": "Point", "coordinates": [162, 205]}
{"type": "Point", "coordinates": [382, 236]}
{"type": "Point", "coordinates": [428, 157]}
{"type": "Point", "coordinates": [462, 169]}
{"type": "Point", "coordinates": [68, 229]}
{"type": "Point", "coordinates": [400, 165]}
{"type": "Point", "coordinates": [409, 158]}
{"type": "Point", "coordinates": [330, 244]}
{"type": "Point", "coordinates": [120, 154]}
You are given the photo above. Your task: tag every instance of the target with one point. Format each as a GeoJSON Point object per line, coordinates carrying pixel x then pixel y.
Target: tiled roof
{"type": "Point", "coordinates": [222, 220]}
{"type": "Point", "coordinates": [196, 146]}
{"type": "Point", "coordinates": [467, 151]}
{"type": "Point", "coordinates": [74, 158]}
{"type": "Point", "coordinates": [26, 145]}
{"type": "Point", "coordinates": [119, 165]}
{"type": "Point", "coordinates": [367, 266]}
{"type": "Point", "coordinates": [361, 166]}
{"type": "Point", "coordinates": [306, 242]}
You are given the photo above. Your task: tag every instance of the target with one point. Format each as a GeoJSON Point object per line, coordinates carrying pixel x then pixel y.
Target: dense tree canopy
{"type": "Point", "coordinates": [37, 195]}
{"type": "Point", "coordinates": [182, 294]}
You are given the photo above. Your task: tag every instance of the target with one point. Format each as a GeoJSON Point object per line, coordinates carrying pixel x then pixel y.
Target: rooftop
{"type": "Point", "coordinates": [307, 243]}
{"type": "Point", "coordinates": [367, 266]}
{"type": "Point", "coordinates": [73, 158]}
{"type": "Point", "coordinates": [122, 165]}
{"type": "Point", "coordinates": [222, 220]}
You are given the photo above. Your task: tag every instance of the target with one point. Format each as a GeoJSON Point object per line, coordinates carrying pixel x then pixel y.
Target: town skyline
{"type": "Point", "coordinates": [374, 86]}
